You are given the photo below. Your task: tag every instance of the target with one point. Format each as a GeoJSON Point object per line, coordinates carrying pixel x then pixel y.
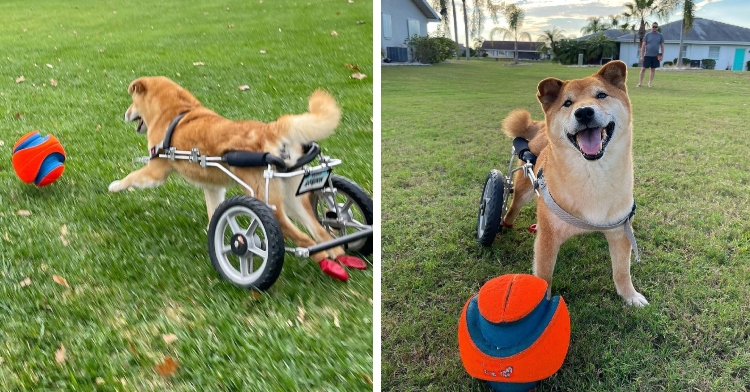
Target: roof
{"type": "Point", "coordinates": [703, 30]}
{"type": "Point", "coordinates": [523, 46]}
{"type": "Point", "coordinates": [428, 12]}
{"type": "Point", "coordinates": [611, 33]}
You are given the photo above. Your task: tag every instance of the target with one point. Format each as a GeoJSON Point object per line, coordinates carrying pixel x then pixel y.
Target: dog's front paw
{"type": "Point", "coordinates": [115, 186]}
{"type": "Point", "coordinates": [637, 299]}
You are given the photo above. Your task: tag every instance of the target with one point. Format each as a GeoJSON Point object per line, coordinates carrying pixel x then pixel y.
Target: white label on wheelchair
{"type": "Point", "coordinates": [313, 181]}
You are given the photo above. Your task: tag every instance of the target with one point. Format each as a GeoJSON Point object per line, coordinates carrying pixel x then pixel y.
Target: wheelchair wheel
{"type": "Point", "coordinates": [245, 243]}
{"type": "Point", "coordinates": [344, 210]}
{"type": "Point", "coordinates": [490, 208]}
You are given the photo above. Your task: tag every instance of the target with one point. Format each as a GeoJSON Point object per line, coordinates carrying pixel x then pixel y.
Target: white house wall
{"type": "Point", "coordinates": [401, 11]}
{"type": "Point", "coordinates": [695, 51]}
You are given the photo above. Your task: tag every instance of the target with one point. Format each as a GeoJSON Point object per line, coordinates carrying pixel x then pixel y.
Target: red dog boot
{"type": "Point", "coordinates": [352, 262]}
{"type": "Point", "coordinates": [333, 270]}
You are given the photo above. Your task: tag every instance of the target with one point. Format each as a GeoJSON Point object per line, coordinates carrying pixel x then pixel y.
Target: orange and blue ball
{"type": "Point", "coordinates": [38, 159]}
{"type": "Point", "coordinates": [511, 335]}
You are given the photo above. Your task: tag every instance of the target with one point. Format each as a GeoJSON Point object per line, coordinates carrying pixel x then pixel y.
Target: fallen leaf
{"type": "Point", "coordinates": [24, 212]}
{"type": "Point", "coordinates": [26, 282]}
{"type": "Point", "coordinates": [20, 79]}
{"type": "Point", "coordinates": [18, 115]}
{"type": "Point", "coordinates": [198, 63]}
{"type": "Point", "coordinates": [300, 314]}
{"type": "Point", "coordinates": [7, 238]}
{"type": "Point", "coordinates": [49, 65]}
{"type": "Point", "coordinates": [132, 349]}
{"type": "Point", "coordinates": [64, 230]}
{"type": "Point", "coordinates": [169, 338]}
{"type": "Point", "coordinates": [60, 354]}
{"type": "Point", "coordinates": [367, 378]}
{"type": "Point", "coordinates": [352, 67]}
{"type": "Point", "coordinates": [279, 30]}
{"type": "Point", "coordinates": [60, 280]}
{"type": "Point", "coordinates": [243, 88]}
{"type": "Point", "coordinates": [98, 127]}
{"type": "Point", "coordinates": [230, 26]}
{"type": "Point", "coordinates": [351, 1]}
{"type": "Point", "coordinates": [53, 82]}
{"type": "Point", "coordinates": [360, 22]}
{"type": "Point", "coordinates": [336, 321]}
{"type": "Point", "coordinates": [334, 33]}
{"type": "Point", "coordinates": [262, 51]}
{"type": "Point", "coordinates": [99, 381]}
{"type": "Point", "coordinates": [168, 368]}
{"type": "Point", "coordinates": [358, 75]}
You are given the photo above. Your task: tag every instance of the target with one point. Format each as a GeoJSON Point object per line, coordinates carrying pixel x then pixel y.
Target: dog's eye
{"type": "Point", "coordinates": [567, 103]}
{"type": "Point", "coordinates": [601, 95]}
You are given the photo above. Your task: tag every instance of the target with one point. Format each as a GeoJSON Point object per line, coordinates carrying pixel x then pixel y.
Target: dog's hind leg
{"type": "Point", "coordinates": [214, 196]}
{"type": "Point", "coordinates": [523, 192]}
{"type": "Point", "coordinates": [619, 250]}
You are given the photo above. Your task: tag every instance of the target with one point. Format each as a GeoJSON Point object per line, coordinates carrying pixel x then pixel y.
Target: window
{"type": "Point", "coordinates": [713, 52]}
{"type": "Point", "coordinates": [387, 30]}
{"type": "Point", "coordinates": [684, 51]}
{"type": "Point", "coordinates": [413, 27]}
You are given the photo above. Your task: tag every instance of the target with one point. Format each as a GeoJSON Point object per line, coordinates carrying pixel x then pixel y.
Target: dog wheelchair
{"type": "Point", "coordinates": [493, 205]}
{"type": "Point", "coordinates": [245, 242]}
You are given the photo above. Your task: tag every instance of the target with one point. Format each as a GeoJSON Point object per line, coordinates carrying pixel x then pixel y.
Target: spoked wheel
{"type": "Point", "coordinates": [344, 210]}
{"type": "Point", "coordinates": [245, 243]}
{"type": "Point", "coordinates": [490, 208]}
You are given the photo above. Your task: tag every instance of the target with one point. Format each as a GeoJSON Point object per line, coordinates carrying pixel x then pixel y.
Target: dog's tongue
{"type": "Point", "coordinates": [590, 140]}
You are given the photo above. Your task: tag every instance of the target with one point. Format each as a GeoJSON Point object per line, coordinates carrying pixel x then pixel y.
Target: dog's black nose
{"type": "Point", "coordinates": [584, 114]}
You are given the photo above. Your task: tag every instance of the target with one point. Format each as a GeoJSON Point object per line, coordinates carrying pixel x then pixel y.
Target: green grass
{"type": "Point", "coordinates": [441, 136]}
{"type": "Point", "coordinates": [137, 262]}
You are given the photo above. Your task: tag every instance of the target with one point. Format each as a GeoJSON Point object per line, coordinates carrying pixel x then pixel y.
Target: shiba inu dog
{"type": "Point", "coordinates": [584, 150]}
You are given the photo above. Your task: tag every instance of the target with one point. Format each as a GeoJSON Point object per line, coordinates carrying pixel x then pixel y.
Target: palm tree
{"type": "Point", "coordinates": [514, 16]}
{"type": "Point", "coordinates": [637, 12]}
{"type": "Point", "coordinates": [547, 42]}
{"type": "Point", "coordinates": [479, 9]}
{"type": "Point", "coordinates": [599, 46]}
{"type": "Point", "coordinates": [688, 16]}
{"type": "Point", "coordinates": [595, 25]}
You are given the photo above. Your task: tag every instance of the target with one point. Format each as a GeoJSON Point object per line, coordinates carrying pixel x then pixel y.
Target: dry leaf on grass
{"type": "Point", "coordinates": [20, 79]}
{"type": "Point", "coordinates": [99, 381]}
{"type": "Point", "coordinates": [60, 280]}
{"type": "Point", "coordinates": [336, 321]}
{"type": "Point", "coordinates": [60, 354]}
{"type": "Point", "coordinates": [168, 368]}
{"type": "Point", "coordinates": [198, 63]}
{"type": "Point", "coordinates": [360, 22]}
{"type": "Point", "coordinates": [352, 67]}
{"type": "Point", "coordinates": [26, 282]}
{"type": "Point", "coordinates": [53, 82]}
{"type": "Point", "coordinates": [243, 88]}
{"type": "Point", "coordinates": [49, 65]}
{"type": "Point", "coordinates": [334, 33]}
{"type": "Point", "coordinates": [229, 26]}
{"type": "Point", "coordinates": [358, 75]}
{"type": "Point", "coordinates": [98, 127]}
{"type": "Point", "coordinates": [367, 378]}
{"type": "Point", "coordinates": [300, 314]}
{"type": "Point", "coordinates": [24, 213]}
{"type": "Point", "coordinates": [169, 338]}
{"type": "Point", "coordinates": [263, 51]}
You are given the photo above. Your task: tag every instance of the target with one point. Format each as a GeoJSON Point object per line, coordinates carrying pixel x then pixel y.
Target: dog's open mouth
{"type": "Point", "coordinates": [140, 128]}
{"type": "Point", "coordinates": [591, 142]}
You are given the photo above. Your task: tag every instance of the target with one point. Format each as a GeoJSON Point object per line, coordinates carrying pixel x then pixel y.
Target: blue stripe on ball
{"type": "Point", "coordinates": [33, 141]}
{"type": "Point", "coordinates": [513, 386]}
{"type": "Point", "coordinates": [504, 340]}
{"type": "Point", "coordinates": [51, 162]}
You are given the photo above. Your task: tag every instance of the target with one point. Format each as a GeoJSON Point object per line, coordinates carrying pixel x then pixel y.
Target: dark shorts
{"type": "Point", "coordinates": [650, 62]}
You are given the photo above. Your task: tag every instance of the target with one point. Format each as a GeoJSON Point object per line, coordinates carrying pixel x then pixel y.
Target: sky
{"type": "Point", "coordinates": [570, 15]}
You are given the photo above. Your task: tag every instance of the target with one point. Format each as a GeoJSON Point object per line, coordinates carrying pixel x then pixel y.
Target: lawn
{"type": "Point", "coordinates": [105, 291]}
{"type": "Point", "coordinates": [440, 138]}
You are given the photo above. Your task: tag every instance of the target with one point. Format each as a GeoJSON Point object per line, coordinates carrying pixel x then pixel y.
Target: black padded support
{"type": "Point", "coordinates": [259, 159]}
{"type": "Point", "coordinates": [311, 151]}
{"type": "Point", "coordinates": [521, 146]}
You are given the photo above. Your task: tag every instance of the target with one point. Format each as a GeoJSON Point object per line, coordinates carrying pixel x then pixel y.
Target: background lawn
{"type": "Point", "coordinates": [136, 263]}
{"type": "Point", "coordinates": [440, 138]}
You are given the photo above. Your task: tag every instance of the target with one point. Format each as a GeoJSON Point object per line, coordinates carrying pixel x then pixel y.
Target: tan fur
{"type": "Point", "coordinates": [597, 191]}
{"type": "Point", "coordinates": [158, 100]}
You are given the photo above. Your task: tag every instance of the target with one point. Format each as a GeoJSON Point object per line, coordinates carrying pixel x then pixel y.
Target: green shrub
{"type": "Point", "coordinates": [635, 65]}
{"type": "Point", "coordinates": [668, 64]}
{"type": "Point", "coordinates": [708, 64]}
{"type": "Point", "coordinates": [747, 65]}
{"type": "Point", "coordinates": [685, 61]}
{"type": "Point", "coordinates": [431, 50]}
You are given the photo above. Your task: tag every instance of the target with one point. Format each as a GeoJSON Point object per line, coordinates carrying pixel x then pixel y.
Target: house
{"type": "Point", "coordinates": [707, 39]}
{"type": "Point", "coordinates": [505, 50]}
{"type": "Point", "coordinates": [402, 19]}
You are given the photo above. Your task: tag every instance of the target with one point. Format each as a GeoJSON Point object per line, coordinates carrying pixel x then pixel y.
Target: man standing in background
{"type": "Point", "coordinates": [652, 51]}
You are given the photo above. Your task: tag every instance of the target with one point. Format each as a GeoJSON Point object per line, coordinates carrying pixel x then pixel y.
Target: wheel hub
{"type": "Point", "coordinates": [239, 244]}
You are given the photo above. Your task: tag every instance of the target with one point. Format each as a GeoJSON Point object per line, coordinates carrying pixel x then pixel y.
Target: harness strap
{"type": "Point", "coordinates": [166, 143]}
{"type": "Point", "coordinates": [581, 224]}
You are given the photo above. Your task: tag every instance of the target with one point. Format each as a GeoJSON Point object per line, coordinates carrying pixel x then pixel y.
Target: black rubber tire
{"type": "Point", "coordinates": [490, 217]}
{"type": "Point", "coordinates": [270, 229]}
{"type": "Point", "coordinates": [363, 201]}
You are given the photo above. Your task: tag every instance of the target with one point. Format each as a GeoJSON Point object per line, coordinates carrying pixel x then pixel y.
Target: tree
{"type": "Point", "coordinates": [599, 46]}
{"type": "Point", "coordinates": [636, 14]}
{"type": "Point", "coordinates": [547, 43]}
{"type": "Point", "coordinates": [688, 16]}
{"type": "Point", "coordinates": [473, 26]}
{"type": "Point", "coordinates": [568, 50]}
{"type": "Point", "coordinates": [596, 24]}
{"type": "Point", "coordinates": [514, 16]}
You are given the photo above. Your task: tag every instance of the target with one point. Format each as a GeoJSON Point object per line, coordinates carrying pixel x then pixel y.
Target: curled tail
{"type": "Point", "coordinates": [319, 122]}
{"type": "Point", "coordinates": [519, 124]}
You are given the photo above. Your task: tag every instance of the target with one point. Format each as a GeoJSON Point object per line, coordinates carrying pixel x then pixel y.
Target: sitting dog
{"type": "Point", "coordinates": [585, 160]}
{"type": "Point", "coordinates": [157, 101]}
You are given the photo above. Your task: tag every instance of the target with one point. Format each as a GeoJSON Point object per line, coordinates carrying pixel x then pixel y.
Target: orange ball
{"type": "Point", "coordinates": [38, 159]}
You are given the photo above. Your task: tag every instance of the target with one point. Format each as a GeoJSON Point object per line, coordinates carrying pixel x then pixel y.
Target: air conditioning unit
{"type": "Point", "coordinates": [397, 54]}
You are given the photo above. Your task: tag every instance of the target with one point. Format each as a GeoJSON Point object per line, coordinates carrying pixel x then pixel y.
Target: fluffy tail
{"type": "Point", "coordinates": [519, 123]}
{"type": "Point", "coordinates": [319, 122]}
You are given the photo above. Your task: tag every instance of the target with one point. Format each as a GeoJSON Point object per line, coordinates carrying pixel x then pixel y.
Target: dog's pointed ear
{"type": "Point", "coordinates": [616, 73]}
{"type": "Point", "coordinates": [137, 86]}
{"type": "Point", "coordinates": [547, 91]}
